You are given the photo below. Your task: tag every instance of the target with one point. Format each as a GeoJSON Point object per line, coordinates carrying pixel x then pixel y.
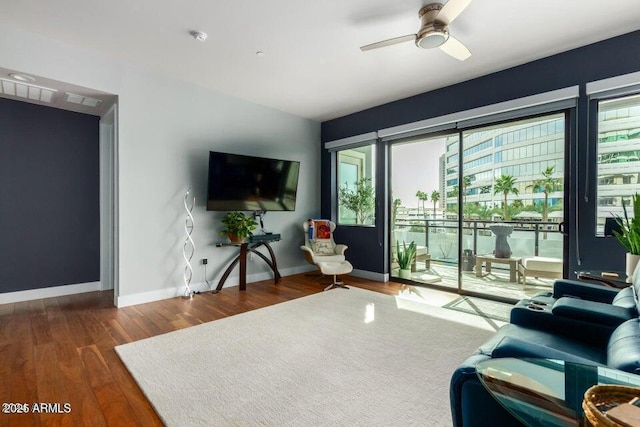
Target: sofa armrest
{"type": "Point", "coordinates": [465, 373]}
{"type": "Point", "coordinates": [515, 347]}
{"type": "Point", "coordinates": [470, 400]}
{"type": "Point", "coordinates": [623, 352]}
{"type": "Point", "coordinates": [583, 290]}
{"type": "Point", "coordinates": [308, 254]}
{"type": "Point", "coordinates": [591, 311]}
{"type": "Point", "coordinates": [340, 249]}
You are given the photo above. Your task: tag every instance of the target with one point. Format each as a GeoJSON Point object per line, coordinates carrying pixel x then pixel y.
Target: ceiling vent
{"type": "Point", "coordinates": [27, 91]}
{"type": "Point", "coordinates": [82, 100]}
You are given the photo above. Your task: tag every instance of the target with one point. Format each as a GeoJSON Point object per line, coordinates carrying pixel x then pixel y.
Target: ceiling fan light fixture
{"type": "Point", "coordinates": [432, 39]}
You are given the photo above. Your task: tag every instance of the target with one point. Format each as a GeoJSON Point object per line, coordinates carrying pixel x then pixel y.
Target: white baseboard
{"type": "Point", "coordinates": [370, 275]}
{"type": "Point", "coordinates": [54, 291]}
{"type": "Point", "coordinates": [160, 294]}
{"type": "Point", "coordinates": [144, 297]}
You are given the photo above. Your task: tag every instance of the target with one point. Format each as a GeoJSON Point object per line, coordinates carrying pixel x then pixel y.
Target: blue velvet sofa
{"type": "Point", "coordinates": [578, 322]}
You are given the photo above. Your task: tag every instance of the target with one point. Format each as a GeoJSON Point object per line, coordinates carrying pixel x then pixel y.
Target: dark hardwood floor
{"type": "Point", "coordinates": [61, 350]}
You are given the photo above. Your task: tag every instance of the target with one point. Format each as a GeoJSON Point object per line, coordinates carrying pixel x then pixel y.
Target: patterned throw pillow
{"type": "Point", "coordinates": [322, 247]}
{"type": "Point", "coordinates": [321, 229]}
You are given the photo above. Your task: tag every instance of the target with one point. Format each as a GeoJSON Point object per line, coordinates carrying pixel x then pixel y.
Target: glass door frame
{"type": "Point", "coordinates": [570, 119]}
{"type": "Point", "coordinates": [569, 123]}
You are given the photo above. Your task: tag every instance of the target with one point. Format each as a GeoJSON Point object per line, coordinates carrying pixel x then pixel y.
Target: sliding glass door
{"type": "Point", "coordinates": [513, 176]}
{"type": "Point", "coordinates": [455, 194]}
{"type": "Point", "coordinates": [420, 212]}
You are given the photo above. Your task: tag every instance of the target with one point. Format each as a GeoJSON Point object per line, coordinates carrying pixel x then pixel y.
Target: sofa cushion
{"type": "Point", "coordinates": [584, 290]}
{"type": "Point", "coordinates": [498, 346]}
{"type": "Point", "coordinates": [623, 351]}
{"type": "Point", "coordinates": [626, 298]}
{"type": "Point", "coordinates": [590, 311]}
{"type": "Point", "coordinates": [551, 265]}
{"type": "Point", "coordinates": [635, 286]}
{"type": "Point", "coordinates": [515, 347]}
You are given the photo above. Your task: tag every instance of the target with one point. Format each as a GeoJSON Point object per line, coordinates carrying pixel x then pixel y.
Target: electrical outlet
{"type": "Point", "coordinates": [204, 261]}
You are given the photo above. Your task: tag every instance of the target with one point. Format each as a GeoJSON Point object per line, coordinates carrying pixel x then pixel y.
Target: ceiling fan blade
{"type": "Point", "coordinates": [451, 10]}
{"type": "Point", "coordinates": [389, 42]}
{"type": "Point", "coordinates": [454, 47]}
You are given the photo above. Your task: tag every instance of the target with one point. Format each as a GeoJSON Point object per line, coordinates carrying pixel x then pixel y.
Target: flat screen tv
{"type": "Point", "coordinates": [247, 183]}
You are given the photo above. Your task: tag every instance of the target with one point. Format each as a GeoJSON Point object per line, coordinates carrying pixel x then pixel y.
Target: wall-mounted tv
{"type": "Point", "coordinates": [247, 183]}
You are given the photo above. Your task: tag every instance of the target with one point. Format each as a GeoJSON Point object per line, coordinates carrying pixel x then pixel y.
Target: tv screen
{"type": "Point", "coordinates": [247, 183]}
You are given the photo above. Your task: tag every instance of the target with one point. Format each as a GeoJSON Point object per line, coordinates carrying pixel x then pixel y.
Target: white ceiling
{"type": "Point", "coordinates": [312, 65]}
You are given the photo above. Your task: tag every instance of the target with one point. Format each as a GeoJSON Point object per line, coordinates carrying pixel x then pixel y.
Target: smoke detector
{"type": "Point", "coordinates": [198, 35]}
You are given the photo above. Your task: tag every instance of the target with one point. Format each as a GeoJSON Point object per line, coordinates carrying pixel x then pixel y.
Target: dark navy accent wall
{"type": "Point", "coordinates": [49, 197]}
{"type": "Point", "coordinates": [612, 57]}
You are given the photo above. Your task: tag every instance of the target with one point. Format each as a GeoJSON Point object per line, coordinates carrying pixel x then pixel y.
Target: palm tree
{"type": "Point", "coordinates": [505, 185]}
{"type": "Point", "coordinates": [547, 185]}
{"type": "Point", "coordinates": [435, 198]}
{"type": "Point", "coordinates": [422, 197]}
{"type": "Point", "coordinates": [453, 194]}
{"type": "Point", "coordinates": [466, 183]}
{"type": "Point", "coordinates": [396, 205]}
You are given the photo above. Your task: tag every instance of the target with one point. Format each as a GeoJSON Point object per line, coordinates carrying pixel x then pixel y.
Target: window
{"type": "Point", "coordinates": [356, 186]}
{"type": "Point", "coordinates": [618, 143]}
{"type": "Point", "coordinates": [519, 158]}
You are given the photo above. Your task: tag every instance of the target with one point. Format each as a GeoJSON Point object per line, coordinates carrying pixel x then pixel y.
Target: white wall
{"type": "Point", "coordinates": [166, 129]}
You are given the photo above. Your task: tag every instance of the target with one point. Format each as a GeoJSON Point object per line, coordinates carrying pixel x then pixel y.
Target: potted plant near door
{"type": "Point", "coordinates": [629, 234]}
{"type": "Point", "coordinates": [238, 226]}
{"type": "Point", "coordinates": [406, 255]}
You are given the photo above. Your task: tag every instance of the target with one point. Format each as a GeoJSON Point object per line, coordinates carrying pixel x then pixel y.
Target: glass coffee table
{"type": "Point", "coordinates": [545, 392]}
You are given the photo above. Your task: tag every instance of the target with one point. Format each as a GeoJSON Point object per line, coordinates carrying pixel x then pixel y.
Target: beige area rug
{"type": "Point", "coordinates": [343, 357]}
{"type": "Point", "coordinates": [482, 307]}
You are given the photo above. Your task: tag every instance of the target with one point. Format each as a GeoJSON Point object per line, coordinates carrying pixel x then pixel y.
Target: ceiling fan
{"type": "Point", "coordinates": [434, 30]}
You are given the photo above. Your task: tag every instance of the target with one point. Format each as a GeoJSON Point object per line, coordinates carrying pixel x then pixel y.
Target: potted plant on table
{"type": "Point", "coordinates": [629, 234]}
{"type": "Point", "coordinates": [406, 255]}
{"type": "Point", "coordinates": [238, 226]}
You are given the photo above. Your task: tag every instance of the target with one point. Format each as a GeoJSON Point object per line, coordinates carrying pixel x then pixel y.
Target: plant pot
{"type": "Point", "coordinates": [468, 260]}
{"type": "Point", "coordinates": [236, 239]}
{"type": "Point", "coordinates": [405, 274]}
{"type": "Point", "coordinates": [632, 262]}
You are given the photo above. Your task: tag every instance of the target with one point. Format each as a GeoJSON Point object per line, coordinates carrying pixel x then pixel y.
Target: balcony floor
{"type": "Point", "coordinates": [496, 283]}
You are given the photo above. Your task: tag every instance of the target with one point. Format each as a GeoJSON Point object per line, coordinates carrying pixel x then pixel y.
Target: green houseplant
{"type": "Point", "coordinates": [629, 234]}
{"type": "Point", "coordinates": [238, 226]}
{"type": "Point", "coordinates": [405, 256]}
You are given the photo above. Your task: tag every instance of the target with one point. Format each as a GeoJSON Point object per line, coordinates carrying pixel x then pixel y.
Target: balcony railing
{"type": "Point", "coordinates": [529, 238]}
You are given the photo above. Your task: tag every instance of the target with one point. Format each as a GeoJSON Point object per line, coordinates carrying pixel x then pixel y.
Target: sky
{"type": "Point", "coordinates": [415, 167]}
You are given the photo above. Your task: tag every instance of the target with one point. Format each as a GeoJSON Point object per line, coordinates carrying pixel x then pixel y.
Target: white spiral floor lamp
{"type": "Point", "coordinates": [188, 248]}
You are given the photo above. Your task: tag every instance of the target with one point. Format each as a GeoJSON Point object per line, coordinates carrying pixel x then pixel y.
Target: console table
{"type": "Point", "coordinates": [245, 248]}
{"type": "Point", "coordinates": [546, 392]}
